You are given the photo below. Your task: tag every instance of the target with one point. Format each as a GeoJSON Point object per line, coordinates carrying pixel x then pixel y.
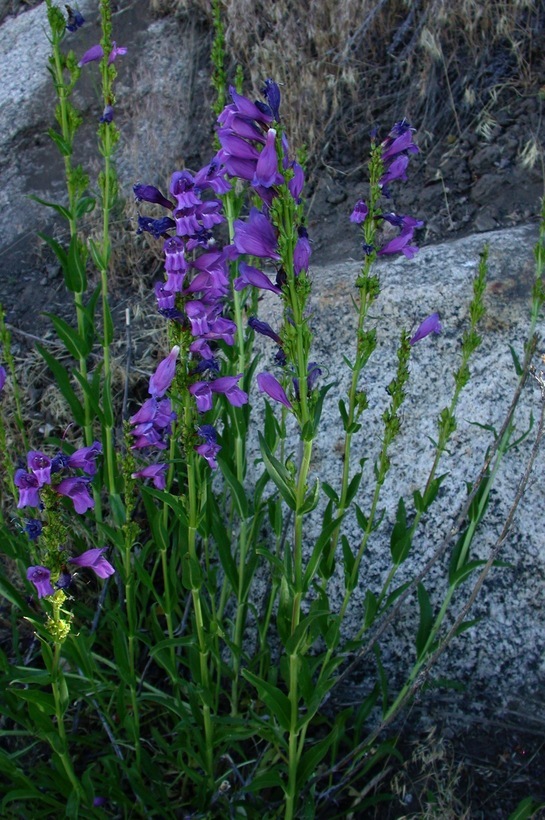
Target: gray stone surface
{"type": "Point", "coordinates": [504, 654]}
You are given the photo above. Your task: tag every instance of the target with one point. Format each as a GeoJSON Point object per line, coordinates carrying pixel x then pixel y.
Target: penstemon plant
{"type": "Point", "coordinates": [199, 679]}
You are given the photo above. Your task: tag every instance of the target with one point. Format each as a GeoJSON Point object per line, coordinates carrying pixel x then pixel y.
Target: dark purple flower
{"type": "Point", "coordinates": [400, 139]}
{"type": "Point", "coordinates": [271, 92]}
{"type": "Point", "coordinates": [149, 193]}
{"type": "Point", "coordinates": [243, 106]}
{"type": "Point", "coordinates": [28, 485]}
{"type": "Point", "coordinates": [264, 329]}
{"type": "Point", "coordinates": [64, 580]}
{"type": "Point", "coordinates": [360, 212]}
{"type": "Point", "coordinates": [255, 277]}
{"type": "Point", "coordinates": [403, 222]}
{"type": "Point", "coordinates": [59, 463]}
{"type": "Point", "coordinates": [33, 528]}
{"type": "Point", "coordinates": [76, 488]}
{"type": "Point", "coordinates": [3, 376]}
{"type": "Point", "coordinates": [107, 114]}
{"type": "Point", "coordinates": [228, 386]}
{"type": "Point", "coordinates": [93, 558]}
{"type": "Point", "coordinates": [431, 324]}
{"type": "Point", "coordinates": [313, 374]}
{"type": "Point", "coordinates": [163, 376]}
{"type": "Point", "coordinates": [272, 387]}
{"type": "Point", "coordinates": [40, 464]}
{"type": "Point", "coordinates": [41, 578]}
{"type": "Point", "coordinates": [256, 236]}
{"type": "Point", "coordinates": [156, 227]}
{"type": "Point", "coordinates": [210, 448]}
{"type": "Point", "coordinates": [94, 53]}
{"type": "Point", "coordinates": [157, 473]}
{"type": "Point", "coordinates": [85, 458]}
{"type": "Point", "coordinates": [74, 19]}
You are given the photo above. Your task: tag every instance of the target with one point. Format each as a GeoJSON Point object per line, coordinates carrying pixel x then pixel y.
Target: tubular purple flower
{"type": "Point", "coordinates": [360, 212]}
{"type": "Point", "coordinates": [92, 54]}
{"type": "Point", "coordinates": [27, 484]}
{"type": "Point", "coordinates": [77, 489]}
{"type": "Point", "coordinates": [210, 448]}
{"type": "Point", "coordinates": [203, 396]}
{"type": "Point", "coordinates": [400, 139]}
{"type": "Point", "coordinates": [74, 19]}
{"type": "Point", "coordinates": [107, 114]}
{"type": "Point", "coordinates": [256, 237]}
{"type": "Point", "coordinates": [403, 222]}
{"type": "Point", "coordinates": [149, 193]}
{"type": "Point", "coordinates": [431, 324]}
{"type": "Point", "coordinates": [397, 170]}
{"type": "Point", "coordinates": [85, 458]}
{"type": "Point", "coordinates": [266, 172]}
{"type": "Point", "coordinates": [182, 187]}
{"type": "Point", "coordinates": [33, 528]}
{"type": "Point", "coordinates": [156, 227]}
{"type": "Point", "coordinates": [3, 377]}
{"type": "Point", "coordinates": [174, 250]}
{"type": "Point", "coordinates": [400, 244]}
{"type": "Point", "coordinates": [117, 51]}
{"type": "Point", "coordinates": [301, 252]}
{"type": "Point", "coordinates": [41, 578]}
{"type": "Point", "coordinates": [271, 92]}
{"type": "Point", "coordinates": [255, 277]}
{"type": "Point", "coordinates": [228, 386]}
{"type": "Point", "coordinates": [244, 106]}
{"type": "Point", "coordinates": [297, 182]}
{"type": "Point", "coordinates": [94, 559]}
{"type": "Point", "coordinates": [164, 374]}
{"type": "Point", "coordinates": [157, 473]}
{"type": "Point", "coordinates": [40, 464]}
{"type": "Point", "coordinates": [269, 385]}
{"type": "Point", "coordinates": [264, 329]}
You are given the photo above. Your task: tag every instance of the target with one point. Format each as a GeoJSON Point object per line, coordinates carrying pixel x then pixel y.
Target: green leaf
{"type": "Point", "coordinates": [75, 276]}
{"type": "Point", "coordinates": [56, 247]}
{"type": "Point", "coordinates": [269, 779]}
{"type": "Point", "coordinates": [349, 559]}
{"type": "Point", "coordinates": [239, 495]}
{"type": "Point", "coordinates": [64, 147]}
{"type": "Point", "coordinates": [516, 363]}
{"type": "Point", "coordinates": [353, 487]}
{"type": "Point", "coordinates": [276, 701]}
{"type": "Point", "coordinates": [96, 255]}
{"type": "Point", "coordinates": [312, 758]}
{"type": "Point", "coordinates": [330, 492]}
{"type": "Point", "coordinates": [318, 552]}
{"type": "Point", "coordinates": [299, 637]}
{"type": "Point", "coordinates": [64, 212]}
{"type": "Point", "coordinates": [526, 809]}
{"type": "Point", "coordinates": [75, 345]}
{"type": "Point", "coordinates": [85, 205]}
{"type": "Point", "coordinates": [401, 537]}
{"type": "Point", "coordinates": [63, 380]}
{"type": "Point", "coordinates": [426, 620]}
{"type": "Point", "coordinates": [311, 500]}
{"type": "Point", "coordinates": [278, 474]}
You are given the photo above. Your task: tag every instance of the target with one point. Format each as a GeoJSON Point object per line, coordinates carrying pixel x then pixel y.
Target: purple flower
{"type": "Point", "coordinates": [28, 485]}
{"type": "Point", "coordinates": [401, 244]}
{"type": "Point", "coordinates": [296, 183]}
{"type": "Point", "coordinates": [403, 222]}
{"type": "Point", "coordinates": [269, 385]}
{"type": "Point", "coordinates": [3, 376]}
{"type": "Point", "coordinates": [243, 106]}
{"type": "Point", "coordinates": [271, 92]}
{"type": "Point", "coordinates": [41, 578]}
{"type": "Point", "coordinates": [93, 558]}
{"type": "Point", "coordinates": [40, 464]}
{"type": "Point", "coordinates": [210, 448]}
{"type": "Point", "coordinates": [431, 324]}
{"type": "Point", "coordinates": [107, 114]}
{"type": "Point", "coordinates": [266, 172]}
{"type": "Point", "coordinates": [33, 528]}
{"type": "Point", "coordinates": [360, 212]}
{"type": "Point", "coordinates": [397, 170]}
{"type": "Point", "coordinates": [203, 396]}
{"type": "Point", "coordinates": [154, 471]}
{"type": "Point", "coordinates": [59, 462]}
{"type": "Point", "coordinates": [256, 237]}
{"type": "Point", "coordinates": [74, 19]}
{"type": "Point", "coordinates": [163, 376]}
{"type": "Point", "coordinates": [149, 193]}
{"type": "Point", "coordinates": [399, 139]}
{"type": "Point", "coordinates": [174, 250]}
{"type": "Point", "coordinates": [85, 458]}
{"type": "Point", "coordinates": [76, 488]}
{"type": "Point", "coordinates": [255, 277]}
{"type": "Point", "coordinates": [156, 227]}
{"type": "Point", "coordinates": [228, 386]}
{"type": "Point", "coordinates": [92, 54]}
{"type": "Point", "coordinates": [264, 328]}
{"type": "Point", "coordinates": [302, 252]}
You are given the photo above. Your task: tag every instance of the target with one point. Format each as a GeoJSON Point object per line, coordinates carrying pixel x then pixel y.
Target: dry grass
{"type": "Point", "coordinates": [346, 65]}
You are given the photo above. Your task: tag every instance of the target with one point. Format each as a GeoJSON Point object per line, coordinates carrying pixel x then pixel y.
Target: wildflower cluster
{"type": "Point", "coordinates": [42, 485]}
